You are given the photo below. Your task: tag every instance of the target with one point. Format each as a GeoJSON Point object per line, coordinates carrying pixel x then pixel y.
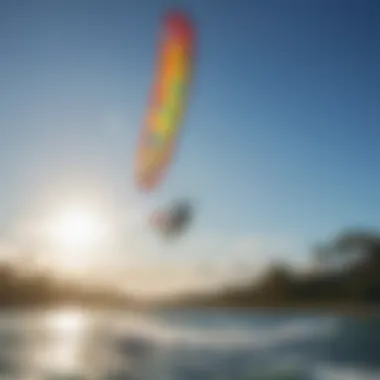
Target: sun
{"type": "Point", "coordinates": [77, 229]}
{"type": "Point", "coordinates": [74, 235]}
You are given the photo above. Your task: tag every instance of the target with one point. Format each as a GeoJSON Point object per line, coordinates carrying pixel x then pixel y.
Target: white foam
{"type": "Point", "coordinates": [335, 372]}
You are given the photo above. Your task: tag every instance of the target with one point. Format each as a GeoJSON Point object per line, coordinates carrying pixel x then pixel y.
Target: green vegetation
{"type": "Point", "coordinates": [346, 277]}
{"type": "Point", "coordinates": [18, 289]}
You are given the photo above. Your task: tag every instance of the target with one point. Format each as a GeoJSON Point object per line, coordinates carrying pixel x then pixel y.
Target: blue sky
{"type": "Point", "coordinates": [282, 131]}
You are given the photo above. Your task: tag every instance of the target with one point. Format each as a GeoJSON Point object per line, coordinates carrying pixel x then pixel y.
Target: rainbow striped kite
{"type": "Point", "coordinates": [162, 125]}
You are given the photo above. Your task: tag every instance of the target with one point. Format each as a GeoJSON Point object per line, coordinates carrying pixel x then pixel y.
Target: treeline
{"type": "Point", "coordinates": [20, 289]}
{"type": "Point", "coordinates": [346, 274]}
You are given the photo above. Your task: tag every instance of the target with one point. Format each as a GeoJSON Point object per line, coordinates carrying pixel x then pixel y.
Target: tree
{"type": "Point", "coordinates": [277, 284]}
{"type": "Point", "coordinates": [350, 248]}
{"type": "Point", "coordinates": [356, 253]}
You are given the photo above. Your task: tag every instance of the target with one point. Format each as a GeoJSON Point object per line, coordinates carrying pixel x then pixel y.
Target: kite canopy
{"type": "Point", "coordinates": [161, 128]}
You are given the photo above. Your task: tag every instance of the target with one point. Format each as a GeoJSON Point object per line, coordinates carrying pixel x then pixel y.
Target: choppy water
{"type": "Point", "coordinates": [187, 345]}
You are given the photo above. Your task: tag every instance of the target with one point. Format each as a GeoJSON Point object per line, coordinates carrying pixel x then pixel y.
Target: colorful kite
{"type": "Point", "coordinates": [162, 125]}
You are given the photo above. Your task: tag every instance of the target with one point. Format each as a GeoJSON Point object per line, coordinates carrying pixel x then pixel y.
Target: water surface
{"type": "Point", "coordinates": [187, 345]}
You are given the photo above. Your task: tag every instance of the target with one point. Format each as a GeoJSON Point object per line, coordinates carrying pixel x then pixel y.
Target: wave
{"type": "Point", "coordinates": [256, 336]}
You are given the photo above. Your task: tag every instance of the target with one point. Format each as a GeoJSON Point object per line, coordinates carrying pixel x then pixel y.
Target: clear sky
{"type": "Point", "coordinates": [282, 132]}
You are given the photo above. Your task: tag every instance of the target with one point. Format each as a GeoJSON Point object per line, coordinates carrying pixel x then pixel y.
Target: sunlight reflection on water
{"type": "Point", "coordinates": [61, 344]}
{"type": "Point", "coordinates": [67, 332]}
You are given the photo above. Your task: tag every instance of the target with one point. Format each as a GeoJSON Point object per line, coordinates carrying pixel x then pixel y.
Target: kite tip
{"type": "Point", "coordinates": [181, 21]}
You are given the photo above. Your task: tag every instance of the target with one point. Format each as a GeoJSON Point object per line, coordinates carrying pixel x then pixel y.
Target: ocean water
{"type": "Point", "coordinates": [188, 345]}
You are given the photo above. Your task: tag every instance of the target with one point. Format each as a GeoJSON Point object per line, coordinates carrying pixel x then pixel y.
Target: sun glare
{"type": "Point", "coordinates": [75, 234]}
{"type": "Point", "coordinates": [77, 229]}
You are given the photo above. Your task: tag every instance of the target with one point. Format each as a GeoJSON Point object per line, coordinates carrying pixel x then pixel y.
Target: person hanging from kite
{"type": "Point", "coordinates": [173, 221]}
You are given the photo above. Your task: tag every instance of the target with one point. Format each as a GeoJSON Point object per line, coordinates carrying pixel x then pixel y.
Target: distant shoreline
{"type": "Point", "coordinates": [336, 310]}
{"type": "Point", "coordinates": [326, 309]}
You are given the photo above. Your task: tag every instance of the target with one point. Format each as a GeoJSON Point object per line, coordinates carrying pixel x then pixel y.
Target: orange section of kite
{"type": "Point", "coordinates": [161, 129]}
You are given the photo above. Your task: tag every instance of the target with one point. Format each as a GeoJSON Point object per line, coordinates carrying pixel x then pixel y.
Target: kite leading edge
{"type": "Point", "coordinates": [162, 123]}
